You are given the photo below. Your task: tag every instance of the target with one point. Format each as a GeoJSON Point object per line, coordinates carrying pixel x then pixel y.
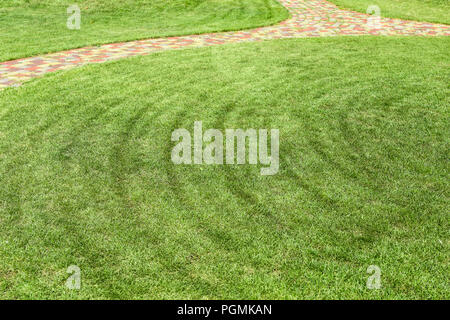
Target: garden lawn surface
{"type": "Point", "coordinates": [87, 177]}
{"type": "Point", "coordinates": [437, 11]}
{"type": "Point", "coordinates": [30, 27]}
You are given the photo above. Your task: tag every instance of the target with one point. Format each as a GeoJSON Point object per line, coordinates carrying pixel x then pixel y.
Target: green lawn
{"type": "Point", "coordinates": [87, 180]}
{"type": "Point", "coordinates": [437, 11]}
{"type": "Point", "coordinates": [31, 27]}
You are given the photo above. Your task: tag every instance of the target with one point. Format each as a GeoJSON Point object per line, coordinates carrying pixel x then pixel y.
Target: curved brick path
{"type": "Point", "coordinates": [310, 18]}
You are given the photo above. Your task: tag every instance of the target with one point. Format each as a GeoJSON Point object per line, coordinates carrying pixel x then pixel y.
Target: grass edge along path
{"type": "Point", "coordinates": [309, 19]}
{"type": "Point", "coordinates": [29, 29]}
{"type": "Point", "coordinates": [433, 11]}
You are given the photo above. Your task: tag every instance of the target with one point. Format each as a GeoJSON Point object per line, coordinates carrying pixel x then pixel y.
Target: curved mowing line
{"type": "Point", "coordinates": [310, 18]}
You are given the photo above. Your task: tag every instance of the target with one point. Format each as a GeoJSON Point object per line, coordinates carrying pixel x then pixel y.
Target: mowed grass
{"type": "Point", "coordinates": [31, 27]}
{"type": "Point", "coordinates": [437, 11]}
{"type": "Point", "coordinates": [87, 178]}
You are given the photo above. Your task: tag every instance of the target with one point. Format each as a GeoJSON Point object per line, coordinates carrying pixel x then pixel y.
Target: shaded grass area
{"type": "Point", "coordinates": [437, 11]}
{"type": "Point", "coordinates": [31, 27]}
{"type": "Point", "coordinates": [87, 180]}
